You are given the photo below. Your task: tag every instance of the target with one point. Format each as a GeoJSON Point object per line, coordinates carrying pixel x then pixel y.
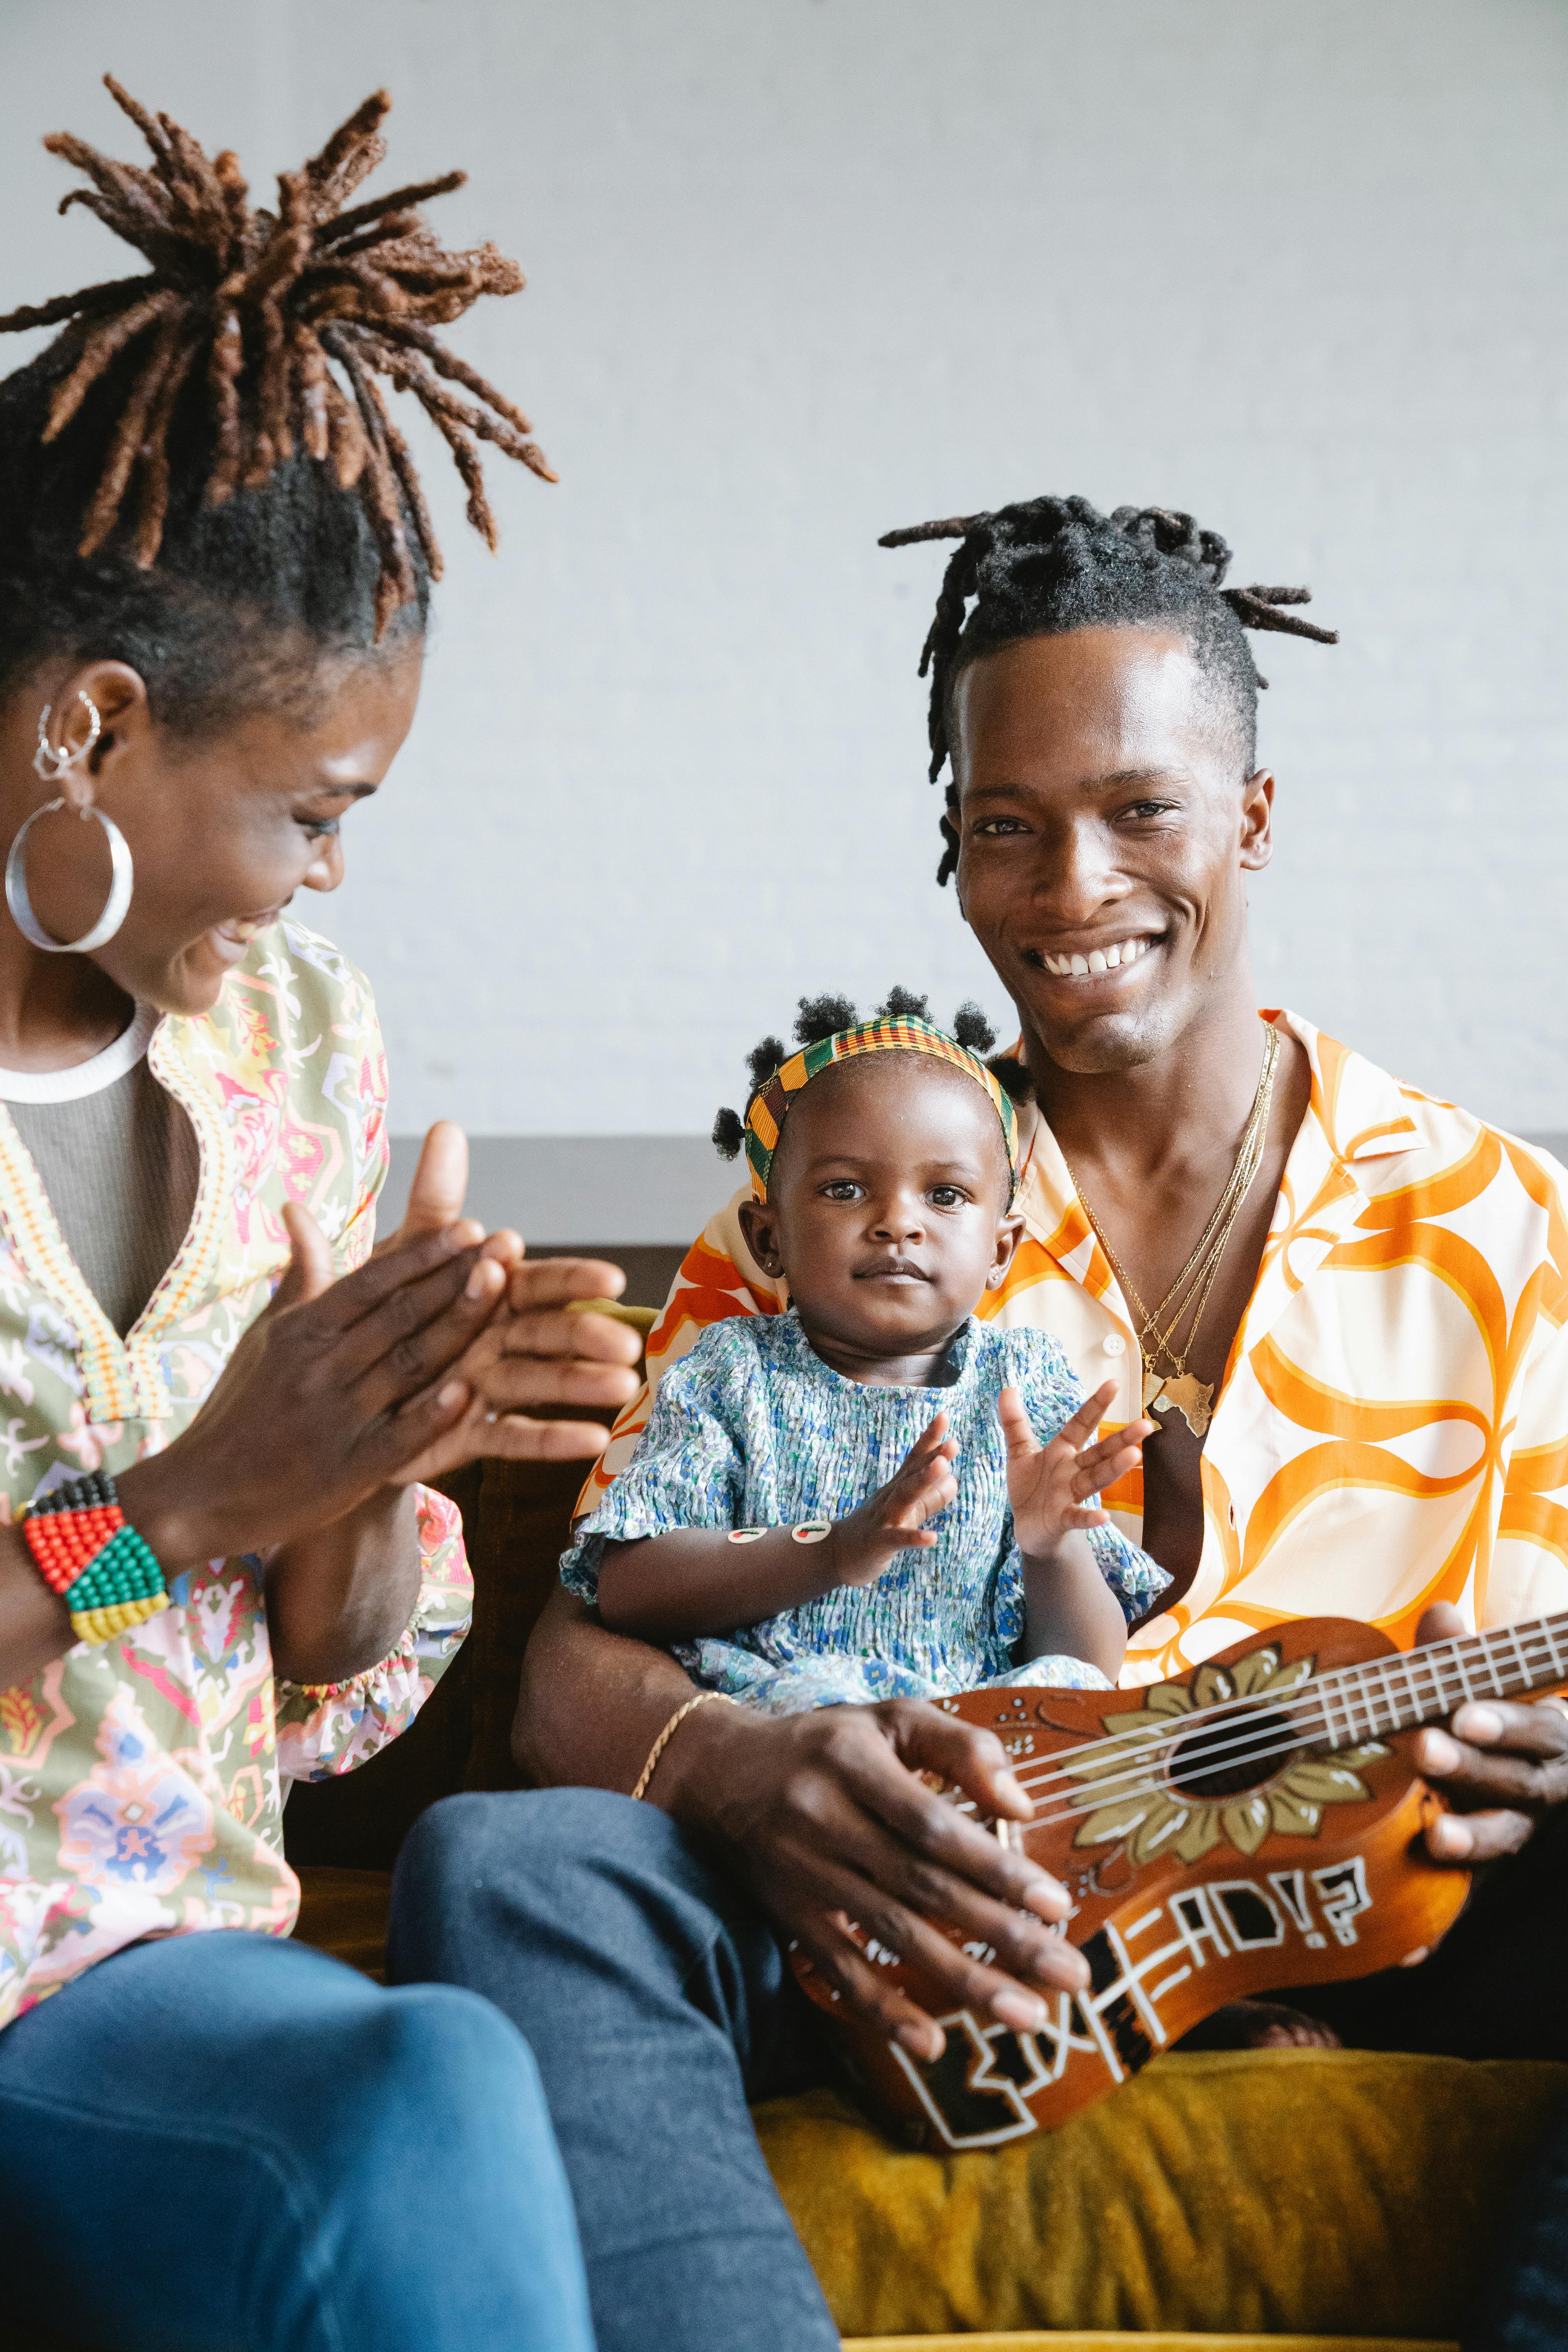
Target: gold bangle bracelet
{"type": "Point", "coordinates": [664, 1737]}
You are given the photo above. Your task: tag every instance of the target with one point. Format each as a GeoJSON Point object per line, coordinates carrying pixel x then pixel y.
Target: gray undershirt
{"type": "Point", "coordinates": [120, 1168]}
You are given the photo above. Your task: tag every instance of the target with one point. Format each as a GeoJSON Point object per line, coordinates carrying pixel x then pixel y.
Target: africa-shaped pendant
{"type": "Point", "coordinates": [1194, 1399]}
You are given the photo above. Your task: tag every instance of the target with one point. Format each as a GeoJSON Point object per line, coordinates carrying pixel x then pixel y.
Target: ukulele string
{"type": "Point", "coordinates": [1123, 1788]}
{"type": "Point", "coordinates": [1247, 1746]}
{"type": "Point", "coordinates": [1177, 1725]}
{"type": "Point", "coordinates": [1117, 1788]}
{"type": "Point", "coordinates": [1532, 1643]}
{"type": "Point", "coordinates": [1136, 1751]}
{"type": "Point", "coordinates": [1127, 1788]}
{"type": "Point", "coordinates": [1148, 1788]}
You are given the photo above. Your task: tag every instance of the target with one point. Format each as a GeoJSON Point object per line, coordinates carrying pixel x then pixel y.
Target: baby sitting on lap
{"type": "Point", "coordinates": [877, 1495]}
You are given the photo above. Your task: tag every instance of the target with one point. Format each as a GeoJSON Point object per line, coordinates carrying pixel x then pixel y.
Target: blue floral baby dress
{"type": "Point", "coordinates": [753, 1429]}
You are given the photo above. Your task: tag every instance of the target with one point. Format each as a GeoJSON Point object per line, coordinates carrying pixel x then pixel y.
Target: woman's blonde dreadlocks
{"type": "Point", "coordinates": [256, 306]}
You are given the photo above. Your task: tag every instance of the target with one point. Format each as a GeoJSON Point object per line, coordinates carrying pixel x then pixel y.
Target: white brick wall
{"type": "Point", "coordinates": [804, 268]}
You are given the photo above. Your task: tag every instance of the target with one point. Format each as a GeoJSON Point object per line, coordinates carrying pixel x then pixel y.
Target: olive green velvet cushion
{"type": "Point", "coordinates": [1334, 2192]}
{"type": "Point", "coordinates": [1095, 2339]}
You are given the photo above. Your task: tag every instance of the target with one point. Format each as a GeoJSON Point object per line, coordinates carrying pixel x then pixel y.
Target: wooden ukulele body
{"type": "Point", "coordinates": [1193, 1882]}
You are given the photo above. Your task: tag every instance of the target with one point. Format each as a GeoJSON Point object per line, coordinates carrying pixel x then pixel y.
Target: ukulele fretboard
{"type": "Point", "coordinates": [1400, 1692]}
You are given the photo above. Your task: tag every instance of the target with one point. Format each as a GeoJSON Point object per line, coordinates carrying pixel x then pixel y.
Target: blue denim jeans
{"type": "Point", "coordinates": [655, 1996]}
{"type": "Point", "coordinates": [222, 2141]}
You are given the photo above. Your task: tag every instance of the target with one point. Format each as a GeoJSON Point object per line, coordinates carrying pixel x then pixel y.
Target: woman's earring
{"type": "Point", "coordinates": [53, 764]}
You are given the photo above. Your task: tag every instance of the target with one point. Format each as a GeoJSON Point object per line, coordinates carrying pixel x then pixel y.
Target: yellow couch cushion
{"type": "Point", "coordinates": [1096, 2340]}
{"type": "Point", "coordinates": [1332, 2192]}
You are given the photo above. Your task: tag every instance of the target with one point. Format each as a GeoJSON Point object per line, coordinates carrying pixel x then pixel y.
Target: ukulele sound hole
{"type": "Point", "coordinates": [1233, 1752]}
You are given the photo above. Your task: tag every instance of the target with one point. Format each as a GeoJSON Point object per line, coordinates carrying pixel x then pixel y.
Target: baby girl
{"type": "Point", "coordinates": [878, 1494]}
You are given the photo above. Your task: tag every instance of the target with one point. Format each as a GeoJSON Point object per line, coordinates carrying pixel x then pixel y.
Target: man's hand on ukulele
{"type": "Point", "coordinates": [1503, 1766]}
{"type": "Point", "coordinates": [894, 1518]}
{"type": "Point", "coordinates": [833, 1820]}
{"type": "Point", "coordinates": [1052, 1488]}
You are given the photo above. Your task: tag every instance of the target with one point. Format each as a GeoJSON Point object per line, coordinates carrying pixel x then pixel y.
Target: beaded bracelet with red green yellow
{"type": "Point", "coordinates": [86, 1550]}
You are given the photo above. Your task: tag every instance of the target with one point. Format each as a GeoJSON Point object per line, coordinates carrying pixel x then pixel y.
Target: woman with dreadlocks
{"type": "Point", "coordinates": [1308, 1276]}
{"type": "Point", "coordinates": [217, 1566]}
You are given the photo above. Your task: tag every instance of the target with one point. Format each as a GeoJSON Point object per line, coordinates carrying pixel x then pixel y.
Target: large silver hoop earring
{"type": "Point", "coordinates": [55, 764]}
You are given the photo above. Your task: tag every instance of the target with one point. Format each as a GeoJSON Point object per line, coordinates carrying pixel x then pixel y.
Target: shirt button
{"type": "Point", "coordinates": [1114, 1344]}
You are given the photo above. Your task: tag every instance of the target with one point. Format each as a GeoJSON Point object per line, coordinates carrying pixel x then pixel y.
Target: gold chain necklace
{"type": "Point", "coordinates": [1188, 1296]}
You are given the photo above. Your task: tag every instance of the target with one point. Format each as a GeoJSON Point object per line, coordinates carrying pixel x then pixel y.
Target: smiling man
{"type": "Point", "coordinates": [1344, 1302]}
{"type": "Point", "coordinates": [1337, 1349]}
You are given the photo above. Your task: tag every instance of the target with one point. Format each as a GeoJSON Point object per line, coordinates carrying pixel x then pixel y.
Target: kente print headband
{"type": "Point", "coordinates": [900, 1034]}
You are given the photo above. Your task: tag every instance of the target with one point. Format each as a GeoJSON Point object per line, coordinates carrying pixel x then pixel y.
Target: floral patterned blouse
{"type": "Point", "coordinates": [753, 1429]}
{"type": "Point", "coordinates": [140, 1782]}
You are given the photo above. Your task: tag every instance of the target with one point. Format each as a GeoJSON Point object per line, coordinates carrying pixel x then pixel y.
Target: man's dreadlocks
{"type": "Point", "coordinates": [207, 442]}
{"type": "Point", "coordinates": [1048, 565]}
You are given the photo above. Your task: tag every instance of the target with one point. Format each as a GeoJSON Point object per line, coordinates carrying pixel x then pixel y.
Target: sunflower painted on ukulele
{"type": "Point", "coordinates": [1199, 1792]}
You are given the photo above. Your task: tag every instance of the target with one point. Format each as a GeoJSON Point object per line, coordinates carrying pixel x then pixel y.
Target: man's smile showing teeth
{"type": "Point", "coordinates": [1099, 960]}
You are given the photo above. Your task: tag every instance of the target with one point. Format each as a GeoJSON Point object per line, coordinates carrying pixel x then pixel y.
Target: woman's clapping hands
{"type": "Point", "coordinates": [406, 1369]}
{"type": "Point", "coordinates": [531, 1353]}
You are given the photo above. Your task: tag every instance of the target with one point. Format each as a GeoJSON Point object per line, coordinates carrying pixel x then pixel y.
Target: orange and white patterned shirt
{"type": "Point", "coordinates": [1391, 1429]}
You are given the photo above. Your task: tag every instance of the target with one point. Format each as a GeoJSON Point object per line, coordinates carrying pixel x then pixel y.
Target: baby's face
{"type": "Point", "coordinates": [887, 1201]}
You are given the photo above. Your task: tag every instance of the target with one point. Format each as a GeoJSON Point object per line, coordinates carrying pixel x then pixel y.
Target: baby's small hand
{"type": "Point", "coordinates": [1050, 1486]}
{"type": "Point", "coordinates": [894, 1518]}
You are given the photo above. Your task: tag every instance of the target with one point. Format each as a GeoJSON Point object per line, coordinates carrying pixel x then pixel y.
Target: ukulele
{"type": "Point", "coordinates": [1255, 1824]}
